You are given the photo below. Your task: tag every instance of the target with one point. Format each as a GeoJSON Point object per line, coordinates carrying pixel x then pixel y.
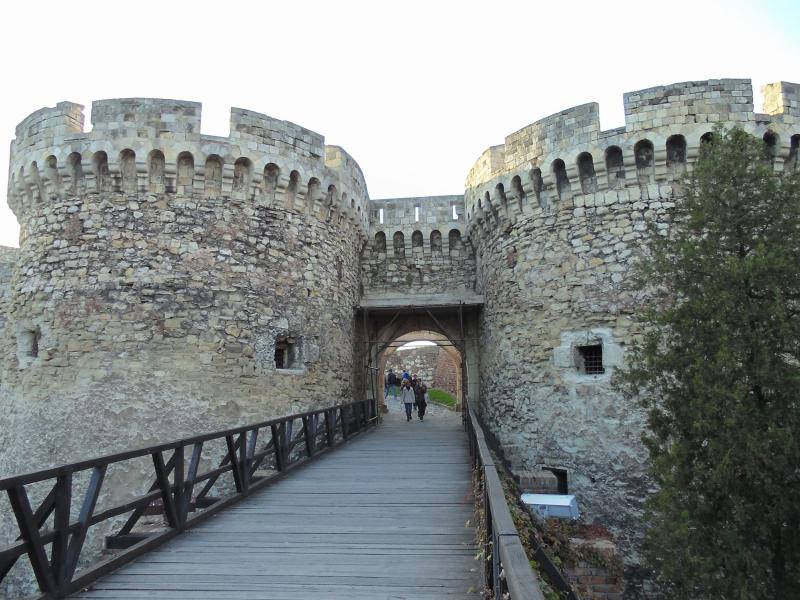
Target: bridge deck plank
{"type": "Point", "coordinates": [385, 517]}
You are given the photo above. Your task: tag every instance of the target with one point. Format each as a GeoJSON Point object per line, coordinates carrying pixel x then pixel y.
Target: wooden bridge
{"type": "Point", "coordinates": [389, 515]}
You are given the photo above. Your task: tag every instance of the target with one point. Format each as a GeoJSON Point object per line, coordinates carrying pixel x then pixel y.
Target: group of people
{"type": "Point", "coordinates": [412, 391]}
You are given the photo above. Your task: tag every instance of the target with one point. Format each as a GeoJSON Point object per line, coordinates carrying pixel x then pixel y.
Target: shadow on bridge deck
{"type": "Point", "coordinates": [383, 518]}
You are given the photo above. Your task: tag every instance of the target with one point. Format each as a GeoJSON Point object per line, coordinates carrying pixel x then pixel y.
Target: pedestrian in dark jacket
{"type": "Point", "coordinates": [420, 391]}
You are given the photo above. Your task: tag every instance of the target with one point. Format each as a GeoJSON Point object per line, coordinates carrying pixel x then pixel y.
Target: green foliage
{"type": "Point", "coordinates": [442, 397]}
{"type": "Point", "coordinates": [718, 372]}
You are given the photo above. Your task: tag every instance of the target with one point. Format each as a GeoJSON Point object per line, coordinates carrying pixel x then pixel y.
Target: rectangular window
{"type": "Point", "coordinates": [280, 355]}
{"type": "Point", "coordinates": [416, 214]}
{"type": "Point", "coordinates": [287, 353]}
{"type": "Point", "coordinates": [380, 215]}
{"type": "Point", "coordinates": [591, 359]}
{"type": "Point", "coordinates": [455, 212]}
{"type": "Point", "coordinates": [28, 342]}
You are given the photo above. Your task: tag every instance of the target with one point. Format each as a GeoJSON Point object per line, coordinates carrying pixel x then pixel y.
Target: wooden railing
{"type": "Point", "coordinates": [508, 572]}
{"type": "Point", "coordinates": [255, 456]}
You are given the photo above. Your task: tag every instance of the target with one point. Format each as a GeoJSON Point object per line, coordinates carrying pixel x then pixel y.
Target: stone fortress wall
{"type": "Point", "coordinates": [432, 364]}
{"type": "Point", "coordinates": [8, 258]}
{"type": "Point", "coordinates": [417, 246]}
{"type": "Point", "coordinates": [169, 282]}
{"type": "Point", "coordinates": [557, 215]}
{"type": "Point", "coordinates": [234, 264]}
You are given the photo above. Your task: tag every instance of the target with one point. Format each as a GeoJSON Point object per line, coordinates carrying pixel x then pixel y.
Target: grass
{"type": "Point", "coordinates": [442, 397]}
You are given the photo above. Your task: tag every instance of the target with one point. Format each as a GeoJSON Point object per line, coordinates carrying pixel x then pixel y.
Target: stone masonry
{"type": "Point", "coordinates": [433, 364]}
{"type": "Point", "coordinates": [169, 282]}
{"type": "Point", "coordinates": [417, 246]}
{"type": "Point", "coordinates": [161, 271]}
{"type": "Point", "coordinates": [557, 215]}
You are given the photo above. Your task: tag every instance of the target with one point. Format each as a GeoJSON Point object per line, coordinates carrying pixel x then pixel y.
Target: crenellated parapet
{"type": "Point", "coordinates": [567, 155]}
{"type": "Point", "coordinates": [417, 245]}
{"type": "Point", "coordinates": [155, 146]}
{"type": "Point", "coordinates": [418, 225]}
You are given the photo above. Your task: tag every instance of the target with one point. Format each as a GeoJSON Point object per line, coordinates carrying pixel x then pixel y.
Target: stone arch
{"type": "Point", "coordinates": [102, 175]}
{"type": "Point", "coordinates": [615, 168]}
{"type": "Point", "coordinates": [516, 187]}
{"type": "Point", "coordinates": [213, 176]}
{"type": "Point", "coordinates": [454, 242]}
{"type": "Point", "coordinates": [185, 174]}
{"type": "Point", "coordinates": [436, 242]}
{"type": "Point", "coordinates": [563, 186]}
{"type": "Point", "coordinates": [156, 165]}
{"type": "Point", "coordinates": [38, 186]}
{"type": "Point", "coordinates": [676, 155]}
{"type": "Point", "coordinates": [645, 163]}
{"type": "Point", "coordinates": [416, 243]}
{"type": "Point", "coordinates": [537, 183]}
{"type": "Point", "coordinates": [794, 151]}
{"type": "Point", "coordinates": [399, 243]}
{"type": "Point", "coordinates": [14, 200]}
{"type": "Point", "coordinates": [75, 162]}
{"type": "Point", "coordinates": [380, 242]}
{"type": "Point", "coordinates": [586, 173]}
{"type": "Point", "coordinates": [771, 146]}
{"type": "Point", "coordinates": [23, 188]}
{"type": "Point", "coordinates": [707, 138]}
{"type": "Point", "coordinates": [127, 169]}
{"type": "Point", "coordinates": [272, 173]}
{"type": "Point", "coordinates": [291, 189]}
{"type": "Point", "coordinates": [444, 348]}
{"type": "Point", "coordinates": [52, 175]}
{"type": "Point", "coordinates": [312, 194]}
{"type": "Point", "coordinates": [330, 201]}
{"type": "Point", "coordinates": [500, 192]}
{"type": "Point", "coordinates": [242, 177]}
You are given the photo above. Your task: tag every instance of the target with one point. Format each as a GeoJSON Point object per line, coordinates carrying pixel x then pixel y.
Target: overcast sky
{"type": "Point", "coordinates": [414, 91]}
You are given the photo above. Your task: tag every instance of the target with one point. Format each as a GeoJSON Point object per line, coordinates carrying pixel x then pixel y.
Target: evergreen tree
{"type": "Point", "coordinates": [718, 371]}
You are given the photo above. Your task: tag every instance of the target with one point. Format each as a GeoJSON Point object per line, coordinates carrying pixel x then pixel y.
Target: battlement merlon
{"type": "Point", "coordinates": [250, 126]}
{"type": "Point", "coordinates": [782, 98]}
{"type": "Point", "coordinates": [49, 139]}
{"type": "Point", "coordinates": [46, 124]}
{"type": "Point", "coordinates": [147, 117]}
{"type": "Point", "coordinates": [689, 108]}
{"type": "Point", "coordinates": [339, 160]}
{"type": "Point", "coordinates": [727, 100]}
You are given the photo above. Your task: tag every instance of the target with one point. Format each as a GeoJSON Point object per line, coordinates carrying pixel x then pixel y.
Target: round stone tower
{"type": "Point", "coordinates": [557, 214]}
{"type": "Point", "coordinates": [170, 282]}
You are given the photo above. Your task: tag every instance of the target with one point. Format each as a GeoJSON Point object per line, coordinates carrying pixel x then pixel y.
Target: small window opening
{"type": "Point", "coordinates": [280, 355]}
{"type": "Point", "coordinates": [455, 212]}
{"type": "Point", "coordinates": [416, 214]}
{"type": "Point", "coordinates": [380, 216]}
{"type": "Point", "coordinates": [30, 342]}
{"type": "Point", "coordinates": [561, 476]}
{"type": "Point", "coordinates": [287, 353]}
{"type": "Point", "coordinates": [591, 359]}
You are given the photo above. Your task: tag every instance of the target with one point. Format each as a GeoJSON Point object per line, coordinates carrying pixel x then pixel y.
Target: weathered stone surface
{"type": "Point", "coordinates": [149, 291]}
{"type": "Point", "coordinates": [557, 220]}
{"type": "Point", "coordinates": [158, 268]}
{"type": "Point", "coordinates": [419, 248]}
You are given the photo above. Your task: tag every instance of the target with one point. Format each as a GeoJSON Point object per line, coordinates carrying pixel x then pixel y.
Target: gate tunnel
{"type": "Point", "coordinates": [385, 324]}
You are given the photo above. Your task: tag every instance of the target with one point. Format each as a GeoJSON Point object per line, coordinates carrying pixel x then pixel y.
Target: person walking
{"type": "Point", "coordinates": [420, 398]}
{"type": "Point", "coordinates": [407, 396]}
{"type": "Point", "coordinates": [391, 384]}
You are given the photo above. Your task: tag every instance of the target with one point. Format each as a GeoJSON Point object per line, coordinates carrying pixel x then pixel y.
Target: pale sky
{"type": "Point", "coordinates": [413, 90]}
